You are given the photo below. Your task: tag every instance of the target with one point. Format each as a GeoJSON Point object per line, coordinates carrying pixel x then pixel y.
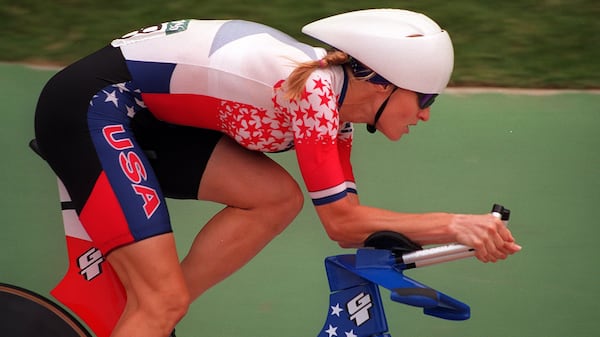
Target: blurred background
{"type": "Point", "coordinates": [534, 151]}
{"type": "Point", "coordinates": [526, 43]}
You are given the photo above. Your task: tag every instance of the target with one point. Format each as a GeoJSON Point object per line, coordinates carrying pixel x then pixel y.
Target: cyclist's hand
{"type": "Point", "coordinates": [487, 234]}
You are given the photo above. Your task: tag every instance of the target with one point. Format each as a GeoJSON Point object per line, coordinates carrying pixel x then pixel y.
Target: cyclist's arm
{"type": "Point", "coordinates": [350, 224]}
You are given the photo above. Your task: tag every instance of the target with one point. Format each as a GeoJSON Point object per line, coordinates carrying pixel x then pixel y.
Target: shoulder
{"type": "Point", "coordinates": [326, 83]}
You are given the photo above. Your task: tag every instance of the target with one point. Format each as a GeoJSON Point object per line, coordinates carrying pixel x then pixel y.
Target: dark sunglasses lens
{"type": "Point", "coordinates": [426, 100]}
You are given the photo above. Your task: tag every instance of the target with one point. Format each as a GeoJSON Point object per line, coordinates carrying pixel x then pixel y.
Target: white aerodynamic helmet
{"type": "Point", "coordinates": [406, 48]}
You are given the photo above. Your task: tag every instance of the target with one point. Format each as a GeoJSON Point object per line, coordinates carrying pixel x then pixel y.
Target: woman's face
{"type": "Point", "coordinates": [401, 112]}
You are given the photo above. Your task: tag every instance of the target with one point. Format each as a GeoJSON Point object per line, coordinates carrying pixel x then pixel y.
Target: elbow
{"type": "Point", "coordinates": [334, 232]}
{"type": "Point", "coordinates": [342, 222]}
{"type": "Point", "coordinates": [348, 245]}
{"type": "Point", "coordinates": [344, 237]}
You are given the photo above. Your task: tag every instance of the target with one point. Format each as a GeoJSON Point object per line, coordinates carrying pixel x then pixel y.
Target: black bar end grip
{"type": "Point", "coordinates": [396, 242]}
{"type": "Point", "coordinates": [503, 211]}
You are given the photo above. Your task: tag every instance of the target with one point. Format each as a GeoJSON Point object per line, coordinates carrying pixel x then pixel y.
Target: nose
{"type": "Point", "coordinates": [424, 114]}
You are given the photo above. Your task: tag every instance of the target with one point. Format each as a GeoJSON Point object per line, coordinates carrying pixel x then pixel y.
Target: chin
{"type": "Point", "coordinates": [395, 137]}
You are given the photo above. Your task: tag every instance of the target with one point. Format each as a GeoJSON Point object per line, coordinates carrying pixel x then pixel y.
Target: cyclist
{"type": "Point", "coordinates": [187, 109]}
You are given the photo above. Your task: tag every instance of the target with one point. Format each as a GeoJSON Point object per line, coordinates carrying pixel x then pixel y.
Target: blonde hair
{"type": "Point", "coordinates": [294, 85]}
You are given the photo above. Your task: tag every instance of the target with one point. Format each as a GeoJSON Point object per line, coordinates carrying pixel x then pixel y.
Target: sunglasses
{"type": "Point", "coordinates": [424, 101]}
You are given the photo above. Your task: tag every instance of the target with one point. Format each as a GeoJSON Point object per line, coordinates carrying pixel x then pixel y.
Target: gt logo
{"type": "Point", "coordinates": [358, 308]}
{"type": "Point", "coordinates": [90, 263]}
{"type": "Point", "coordinates": [177, 26]}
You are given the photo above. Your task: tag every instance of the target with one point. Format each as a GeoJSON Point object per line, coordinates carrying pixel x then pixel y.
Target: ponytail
{"type": "Point", "coordinates": [294, 85]}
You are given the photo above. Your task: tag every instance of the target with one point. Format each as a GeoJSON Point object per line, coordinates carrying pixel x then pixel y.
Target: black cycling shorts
{"type": "Point", "coordinates": [116, 160]}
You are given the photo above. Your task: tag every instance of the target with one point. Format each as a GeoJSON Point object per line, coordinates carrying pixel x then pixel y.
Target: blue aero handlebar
{"type": "Point", "coordinates": [356, 308]}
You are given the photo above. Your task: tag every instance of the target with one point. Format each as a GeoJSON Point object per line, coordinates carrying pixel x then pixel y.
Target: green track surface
{"type": "Point", "coordinates": [537, 155]}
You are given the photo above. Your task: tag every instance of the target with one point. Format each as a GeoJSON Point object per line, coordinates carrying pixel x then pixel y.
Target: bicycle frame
{"type": "Point", "coordinates": [355, 302]}
{"type": "Point", "coordinates": [355, 279]}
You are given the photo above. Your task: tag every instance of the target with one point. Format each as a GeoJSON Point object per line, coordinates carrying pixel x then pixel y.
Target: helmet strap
{"type": "Point", "coordinates": [372, 127]}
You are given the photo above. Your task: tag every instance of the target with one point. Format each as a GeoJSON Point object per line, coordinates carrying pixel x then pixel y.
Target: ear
{"type": "Point", "coordinates": [384, 87]}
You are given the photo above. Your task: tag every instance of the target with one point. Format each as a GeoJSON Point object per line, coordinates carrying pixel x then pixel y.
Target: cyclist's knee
{"type": "Point", "coordinates": [292, 203]}
{"type": "Point", "coordinates": [283, 204]}
{"type": "Point", "coordinates": [164, 308]}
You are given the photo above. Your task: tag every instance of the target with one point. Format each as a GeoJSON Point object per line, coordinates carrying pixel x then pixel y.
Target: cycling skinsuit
{"type": "Point", "coordinates": [119, 127]}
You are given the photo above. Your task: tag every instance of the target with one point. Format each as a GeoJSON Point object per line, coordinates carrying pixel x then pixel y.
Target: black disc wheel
{"type": "Point", "coordinates": [24, 313]}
